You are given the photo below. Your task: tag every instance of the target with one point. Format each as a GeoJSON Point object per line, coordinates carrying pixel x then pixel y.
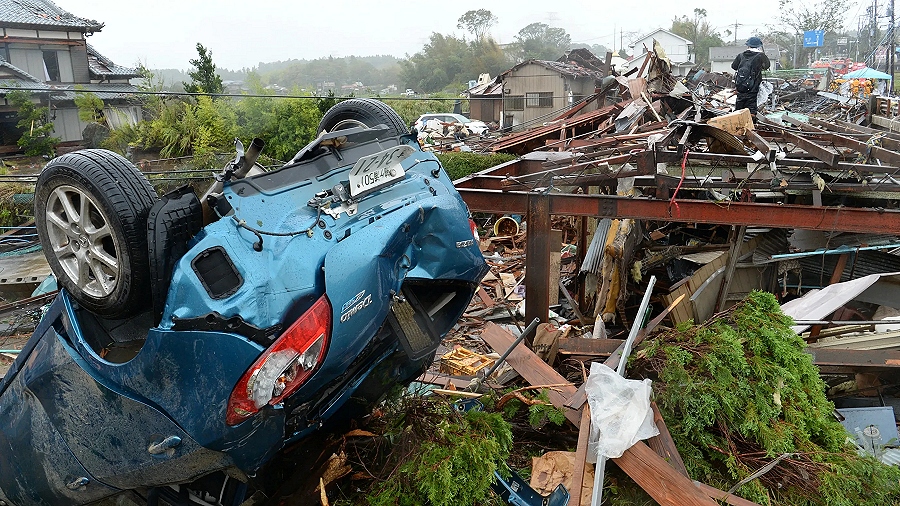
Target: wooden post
{"type": "Point", "coordinates": [733, 253]}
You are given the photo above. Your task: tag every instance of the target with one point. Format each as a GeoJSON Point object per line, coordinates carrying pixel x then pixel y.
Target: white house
{"type": "Point", "coordinates": [679, 50]}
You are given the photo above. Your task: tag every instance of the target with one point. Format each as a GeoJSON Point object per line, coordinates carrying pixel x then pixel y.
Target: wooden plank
{"type": "Point", "coordinates": [556, 238]}
{"type": "Point", "coordinates": [664, 484]}
{"type": "Point", "coordinates": [584, 432]}
{"type": "Point", "coordinates": [721, 495]}
{"type": "Point", "coordinates": [646, 468]}
{"type": "Point", "coordinates": [841, 361]}
{"type": "Point", "coordinates": [737, 242]}
{"type": "Point", "coordinates": [565, 291]}
{"type": "Point", "coordinates": [485, 298]}
{"type": "Point", "coordinates": [531, 367]}
{"type": "Point", "coordinates": [664, 445]}
{"type": "Point", "coordinates": [589, 347]}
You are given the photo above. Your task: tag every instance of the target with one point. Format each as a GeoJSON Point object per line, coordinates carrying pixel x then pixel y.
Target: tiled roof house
{"type": "Point", "coordinates": [43, 49]}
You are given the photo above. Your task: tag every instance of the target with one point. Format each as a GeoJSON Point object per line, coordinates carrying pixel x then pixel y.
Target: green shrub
{"type": "Point", "coordinates": [738, 392]}
{"type": "Point", "coordinates": [447, 458]}
{"type": "Point", "coordinates": [459, 165]}
{"type": "Point", "coordinates": [33, 122]}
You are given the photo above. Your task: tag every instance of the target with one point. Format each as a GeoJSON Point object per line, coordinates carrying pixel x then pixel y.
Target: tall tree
{"type": "Point", "coordinates": [478, 23]}
{"type": "Point", "coordinates": [540, 41]}
{"type": "Point", "coordinates": [697, 30]}
{"type": "Point", "coordinates": [443, 61]}
{"type": "Point", "coordinates": [204, 78]}
{"type": "Point", "coordinates": [802, 15]}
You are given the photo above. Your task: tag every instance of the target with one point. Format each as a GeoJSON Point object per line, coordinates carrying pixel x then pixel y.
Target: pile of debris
{"type": "Point", "coordinates": [665, 184]}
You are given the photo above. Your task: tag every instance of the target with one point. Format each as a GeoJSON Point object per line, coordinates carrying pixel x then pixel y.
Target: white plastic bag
{"type": "Point", "coordinates": [620, 412]}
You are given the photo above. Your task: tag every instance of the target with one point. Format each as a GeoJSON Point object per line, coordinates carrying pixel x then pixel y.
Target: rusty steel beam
{"type": "Point", "coordinates": [847, 129]}
{"type": "Point", "coordinates": [817, 150]}
{"type": "Point", "coordinates": [537, 251]}
{"type": "Point", "coordinates": [829, 218]}
{"type": "Point", "coordinates": [762, 145]}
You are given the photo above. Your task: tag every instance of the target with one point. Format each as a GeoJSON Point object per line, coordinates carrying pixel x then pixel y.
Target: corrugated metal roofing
{"type": "Point", "coordinates": [594, 254]}
{"type": "Point", "coordinates": [43, 13]}
{"type": "Point", "coordinates": [770, 243]}
{"type": "Point", "coordinates": [102, 66]}
{"type": "Point", "coordinates": [866, 263]}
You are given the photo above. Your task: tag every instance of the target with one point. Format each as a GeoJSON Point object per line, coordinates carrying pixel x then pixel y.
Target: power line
{"type": "Point", "coordinates": [230, 95]}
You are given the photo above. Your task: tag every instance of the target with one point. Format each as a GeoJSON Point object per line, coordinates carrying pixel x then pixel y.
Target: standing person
{"type": "Point", "coordinates": [748, 68]}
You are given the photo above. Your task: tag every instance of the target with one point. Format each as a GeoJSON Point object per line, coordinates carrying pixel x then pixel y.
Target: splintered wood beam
{"type": "Point", "coordinates": [532, 368]}
{"type": "Point", "coordinates": [664, 484]}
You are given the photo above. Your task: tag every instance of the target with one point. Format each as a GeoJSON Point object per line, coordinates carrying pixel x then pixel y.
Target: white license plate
{"type": "Point", "coordinates": [372, 172]}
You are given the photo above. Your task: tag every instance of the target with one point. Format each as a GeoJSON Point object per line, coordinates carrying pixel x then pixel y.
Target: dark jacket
{"type": "Point", "coordinates": [760, 63]}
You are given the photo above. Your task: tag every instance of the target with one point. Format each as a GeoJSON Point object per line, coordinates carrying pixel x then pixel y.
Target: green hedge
{"type": "Point", "coordinates": [460, 165]}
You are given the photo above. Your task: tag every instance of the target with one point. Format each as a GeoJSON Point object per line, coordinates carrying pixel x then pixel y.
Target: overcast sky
{"type": "Point", "coordinates": [163, 33]}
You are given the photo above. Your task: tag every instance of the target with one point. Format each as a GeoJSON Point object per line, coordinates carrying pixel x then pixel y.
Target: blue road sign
{"type": "Point", "coordinates": [814, 38]}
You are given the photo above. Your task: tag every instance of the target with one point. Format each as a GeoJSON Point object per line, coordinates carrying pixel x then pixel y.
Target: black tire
{"type": "Point", "coordinates": [362, 112]}
{"type": "Point", "coordinates": [99, 256]}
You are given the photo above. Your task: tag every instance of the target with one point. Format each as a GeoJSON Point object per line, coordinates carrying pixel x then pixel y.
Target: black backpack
{"type": "Point", "coordinates": [745, 79]}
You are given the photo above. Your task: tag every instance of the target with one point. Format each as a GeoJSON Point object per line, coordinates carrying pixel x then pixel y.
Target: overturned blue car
{"type": "Point", "coordinates": [197, 338]}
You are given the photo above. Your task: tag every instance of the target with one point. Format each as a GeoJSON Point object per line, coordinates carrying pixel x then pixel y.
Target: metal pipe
{"type": "Point", "coordinates": [249, 158]}
{"type": "Point", "coordinates": [11, 352]}
{"type": "Point", "coordinates": [528, 330]}
{"type": "Point", "coordinates": [837, 251]}
{"type": "Point", "coordinates": [600, 469]}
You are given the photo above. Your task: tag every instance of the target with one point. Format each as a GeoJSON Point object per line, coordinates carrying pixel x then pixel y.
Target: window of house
{"type": "Point", "coordinates": [540, 99]}
{"type": "Point", "coordinates": [514, 103]}
{"type": "Point", "coordinates": [51, 66]}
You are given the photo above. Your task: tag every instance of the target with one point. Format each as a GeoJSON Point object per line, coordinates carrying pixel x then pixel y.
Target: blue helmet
{"type": "Point", "coordinates": [754, 42]}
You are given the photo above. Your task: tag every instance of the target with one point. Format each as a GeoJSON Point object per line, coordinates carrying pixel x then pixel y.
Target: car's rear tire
{"type": "Point", "coordinates": [91, 210]}
{"type": "Point", "coordinates": [362, 112]}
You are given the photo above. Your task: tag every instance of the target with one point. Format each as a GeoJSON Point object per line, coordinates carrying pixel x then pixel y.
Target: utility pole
{"type": "Point", "coordinates": [796, 36]}
{"type": "Point", "coordinates": [892, 48]}
{"type": "Point", "coordinates": [736, 25]}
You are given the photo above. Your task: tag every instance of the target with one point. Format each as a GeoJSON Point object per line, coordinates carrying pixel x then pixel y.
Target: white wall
{"type": "Point", "coordinates": [675, 47]}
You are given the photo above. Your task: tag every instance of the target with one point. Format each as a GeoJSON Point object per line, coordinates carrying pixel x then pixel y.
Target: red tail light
{"type": "Point", "coordinates": [286, 365]}
{"type": "Point", "coordinates": [474, 228]}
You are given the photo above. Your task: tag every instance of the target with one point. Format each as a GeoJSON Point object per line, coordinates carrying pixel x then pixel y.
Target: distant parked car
{"type": "Point", "coordinates": [474, 126]}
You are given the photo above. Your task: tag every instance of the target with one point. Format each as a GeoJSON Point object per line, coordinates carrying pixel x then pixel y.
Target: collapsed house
{"type": "Point", "coordinates": [654, 178]}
